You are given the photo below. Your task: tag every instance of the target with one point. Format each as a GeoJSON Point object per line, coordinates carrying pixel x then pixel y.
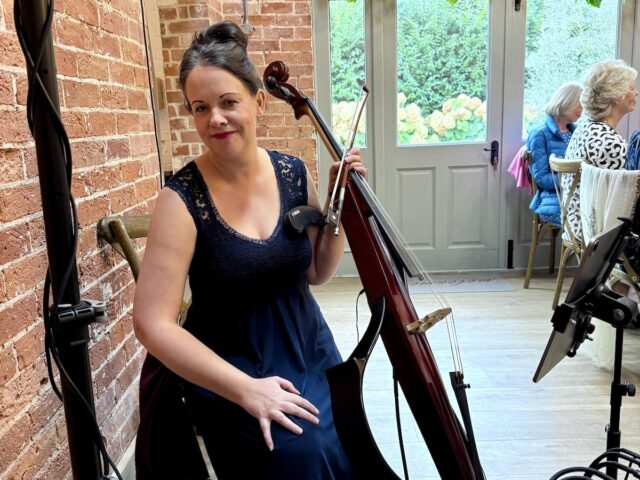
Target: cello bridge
{"type": "Point", "coordinates": [428, 321]}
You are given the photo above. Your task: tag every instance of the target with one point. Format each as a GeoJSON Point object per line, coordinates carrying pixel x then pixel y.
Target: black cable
{"type": "Point", "coordinates": [147, 51]}
{"type": "Point", "coordinates": [51, 312]}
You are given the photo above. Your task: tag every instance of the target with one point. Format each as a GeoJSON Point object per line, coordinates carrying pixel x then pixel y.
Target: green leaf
{"type": "Point", "coordinates": [453, 2]}
{"type": "Point", "coordinates": [594, 3]}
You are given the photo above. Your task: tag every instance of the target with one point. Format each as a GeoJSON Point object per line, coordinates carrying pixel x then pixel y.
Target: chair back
{"type": "Point", "coordinates": [566, 167]}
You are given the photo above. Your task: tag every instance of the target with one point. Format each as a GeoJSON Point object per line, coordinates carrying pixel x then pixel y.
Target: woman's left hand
{"type": "Point", "coordinates": [353, 161]}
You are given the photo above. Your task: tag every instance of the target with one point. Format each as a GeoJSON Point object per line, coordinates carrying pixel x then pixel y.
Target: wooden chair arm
{"type": "Point", "coordinates": [564, 165]}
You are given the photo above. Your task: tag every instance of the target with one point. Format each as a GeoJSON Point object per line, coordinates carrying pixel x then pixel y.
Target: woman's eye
{"type": "Point", "coordinates": [200, 108]}
{"type": "Point", "coordinates": [230, 103]}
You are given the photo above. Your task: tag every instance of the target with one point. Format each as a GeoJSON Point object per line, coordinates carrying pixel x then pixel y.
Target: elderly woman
{"type": "Point", "coordinates": [608, 94]}
{"type": "Point", "coordinates": [552, 137]}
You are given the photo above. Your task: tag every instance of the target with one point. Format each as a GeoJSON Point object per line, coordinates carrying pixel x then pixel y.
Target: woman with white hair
{"type": "Point", "coordinates": [552, 137]}
{"type": "Point", "coordinates": [608, 94]}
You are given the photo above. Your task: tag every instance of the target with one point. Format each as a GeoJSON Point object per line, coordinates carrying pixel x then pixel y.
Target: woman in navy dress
{"type": "Point", "coordinates": [254, 347]}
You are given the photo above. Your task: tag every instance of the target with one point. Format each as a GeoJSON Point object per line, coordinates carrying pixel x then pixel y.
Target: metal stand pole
{"type": "Point", "coordinates": [70, 328]}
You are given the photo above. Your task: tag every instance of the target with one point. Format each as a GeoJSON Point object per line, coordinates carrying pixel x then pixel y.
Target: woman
{"type": "Point", "coordinates": [255, 346]}
{"type": "Point", "coordinates": [608, 94]}
{"type": "Point", "coordinates": [552, 137]}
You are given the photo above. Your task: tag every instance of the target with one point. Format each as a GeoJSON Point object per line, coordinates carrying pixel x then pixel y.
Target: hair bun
{"type": "Point", "coordinates": [224, 32]}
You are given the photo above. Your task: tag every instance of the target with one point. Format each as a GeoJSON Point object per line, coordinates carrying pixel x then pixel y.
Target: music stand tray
{"type": "Point", "coordinates": [588, 297]}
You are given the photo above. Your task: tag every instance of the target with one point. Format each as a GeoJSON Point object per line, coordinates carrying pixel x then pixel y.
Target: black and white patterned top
{"type": "Point", "coordinates": [597, 144]}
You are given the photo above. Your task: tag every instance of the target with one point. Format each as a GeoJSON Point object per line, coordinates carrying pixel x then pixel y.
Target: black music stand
{"type": "Point", "coordinates": [588, 297]}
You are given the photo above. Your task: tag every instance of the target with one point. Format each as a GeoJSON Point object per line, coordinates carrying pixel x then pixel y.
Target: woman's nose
{"type": "Point", "coordinates": [217, 119]}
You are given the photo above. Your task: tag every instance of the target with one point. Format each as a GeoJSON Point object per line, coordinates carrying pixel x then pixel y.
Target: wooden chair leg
{"type": "Point", "coordinates": [565, 255]}
{"type": "Point", "coordinates": [552, 249]}
{"type": "Point", "coordinates": [532, 251]}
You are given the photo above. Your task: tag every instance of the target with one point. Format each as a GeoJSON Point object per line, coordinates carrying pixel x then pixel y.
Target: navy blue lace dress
{"type": "Point", "coordinates": [253, 307]}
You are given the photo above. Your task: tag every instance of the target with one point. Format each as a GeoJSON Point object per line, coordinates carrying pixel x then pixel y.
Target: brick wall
{"type": "Point", "coordinates": [281, 31]}
{"type": "Point", "coordinates": [105, 106]}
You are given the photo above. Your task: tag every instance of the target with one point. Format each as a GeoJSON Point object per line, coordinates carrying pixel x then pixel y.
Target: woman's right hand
{"type": "Point", "coordinates": [272, 399]}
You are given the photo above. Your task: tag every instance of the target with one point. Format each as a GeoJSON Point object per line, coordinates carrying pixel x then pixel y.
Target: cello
{"type": "Point", "coordinates": [384, 264]}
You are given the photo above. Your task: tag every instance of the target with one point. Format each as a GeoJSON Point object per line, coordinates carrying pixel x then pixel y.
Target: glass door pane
{"type": "Point", "coordinates": [347, 52]}
{"type": "Point", "coordinates": [442, 71]}
{"type": "Point", "coordinates": [563, 39]}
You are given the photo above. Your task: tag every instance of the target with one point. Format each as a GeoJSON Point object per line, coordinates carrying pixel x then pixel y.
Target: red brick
{"type": "Point", "coordinates": [132, 52]}
{"type": "Point", "coordinates": [146, 188]}
{"type": "Point", "coordinates": [118, 148]}
{"type": "Point", "coordinates": [25, 274]}
{"type": "Point", "coordinates": [81, 185]}
{"type": "Point", "coordinates": [121, 73]}
{"type": "Point", "coordinates": [276, 8]}
{"type": "Point", "coordinates": [7, 93]}
{"type": "Point", "coordinates": [132, 122]}
{"type": "Point", "coordinates": [43, 411]}
{"type": "Point", "coordinates": [80, 94]}
{"type": "Point", "coordinates": [72, 33]}
{"type": "Point", "coordinates": [90, 152]}
{"type": "Point", "coordinates": [75, 124]}
{"type": "Point", "coordinates": [33, 459]}
{"type": "Point", "coordinates": [188, 26]}
{"type": "Point", "coordinates": [137, 100]}
{"type": "Point", "coordinates": [22, 89]}
{"type": "Point", "coordinates": [14, 127]}
{"type": "Point", "coordinates": [91, 66]}
{"type": "Point", "coordinates": [58, 465]}
{"type": "Point", "coordinates": [127, 377]}
{"type": "Point", "coordinates": [167, 13]}
{"type": "Point", "coordinates": [11, 165]}
{"type": "Point", "coordinates": [84, 10]}
{"type": "Point", "coordinates": [108, 44]}
{"type": "Point", "coordinates": [122, 198]}
{"type": "Point", "coordinates": [8, 365]}
{"type": "Point", "coordinates": [10, 51]}
{"type": "Point", "coordinates": [105, 403]}
{"type": "Point", "coordinates": [143, 144]}
{"type": "Point", "coordinates": [30, 346]}
{"type": "Point", "coordinates": [90, 211]}
{"type": "Point", "coordinates": [36, 232]}
{"type": "Point", "coordinates": [13, 441]}
{"type": "Point", "coordinates": [20, 391]}
{"type": "Point", "coordinates": [135, 31]}
{"type": "Point", "coordinates": [131, 171]}
{"type": "Point", "coordinates": [66, 62]}
{"type": "Point", "coordinates": [113, 21]}
{"type": "Point", "coordinates": [14, 243]}
{"type": "Point", "coordinates": [141, 77]}
{"type": "Point", "coordinates": [276, 32]}
{"type": "Point", "coordinates": [19, 201]}
{"type": "Point", "coordinates": [100, 351]}
{"type": "Point", "coordinates": [101, 123]}
{"type": "Point", "coordinates": [151, 167]}
{"type": "Point", "coordinates": [87, 242]}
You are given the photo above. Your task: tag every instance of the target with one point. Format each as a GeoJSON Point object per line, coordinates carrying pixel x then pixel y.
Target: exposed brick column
{"type": "Point", "coordinates": [281, 31]}
{"type": "Point", "coordinates": [105, 106]}
{"type": "Point", "coordinates": [180, 19]}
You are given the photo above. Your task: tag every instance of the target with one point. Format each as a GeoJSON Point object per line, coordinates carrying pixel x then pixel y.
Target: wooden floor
{"type": "Point", "coordinates": [524, 430]}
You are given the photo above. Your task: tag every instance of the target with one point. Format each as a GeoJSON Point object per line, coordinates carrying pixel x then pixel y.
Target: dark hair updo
{"type": "Point", "coordinates": [222, 45]}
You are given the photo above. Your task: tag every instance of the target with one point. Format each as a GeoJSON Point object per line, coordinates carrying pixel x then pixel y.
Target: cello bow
{"type": "Point", "coordinates": [382, 261]}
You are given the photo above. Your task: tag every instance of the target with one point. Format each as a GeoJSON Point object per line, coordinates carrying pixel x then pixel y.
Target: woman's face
{"type": "Point", "coordinates": [575, 113]}
{"type": "Point", "coordinates": [628, 102]}
{"type": "Point", "coordinates": [223, 109]}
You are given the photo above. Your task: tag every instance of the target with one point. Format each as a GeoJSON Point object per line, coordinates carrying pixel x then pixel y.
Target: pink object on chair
{"type": "Point", "coordinates": [518, 168]}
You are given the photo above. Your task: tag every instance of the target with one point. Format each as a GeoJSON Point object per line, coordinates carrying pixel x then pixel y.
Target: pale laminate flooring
{"type": "Point", "coordinates": [524, 431]}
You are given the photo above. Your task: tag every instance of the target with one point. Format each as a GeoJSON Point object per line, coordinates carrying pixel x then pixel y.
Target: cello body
{"type": "Point", "coordinates": [382, 265]}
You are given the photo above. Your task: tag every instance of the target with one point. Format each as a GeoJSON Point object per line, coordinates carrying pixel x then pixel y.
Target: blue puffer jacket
{"type": "Point", "coordinates": [633, 152]}
{"type": "Point", "coordinates": [542, 142]}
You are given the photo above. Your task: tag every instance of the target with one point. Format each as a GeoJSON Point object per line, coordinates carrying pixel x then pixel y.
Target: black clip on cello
{"type": "Point", "coordinates": [382, 262]}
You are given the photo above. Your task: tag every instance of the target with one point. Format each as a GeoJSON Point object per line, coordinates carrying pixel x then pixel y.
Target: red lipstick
{"type": "Point", "coordinates": [222, 135]}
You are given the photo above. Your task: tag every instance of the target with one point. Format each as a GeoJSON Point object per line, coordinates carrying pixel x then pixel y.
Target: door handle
{"type": "Point", "coordinates": [495, 153]}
